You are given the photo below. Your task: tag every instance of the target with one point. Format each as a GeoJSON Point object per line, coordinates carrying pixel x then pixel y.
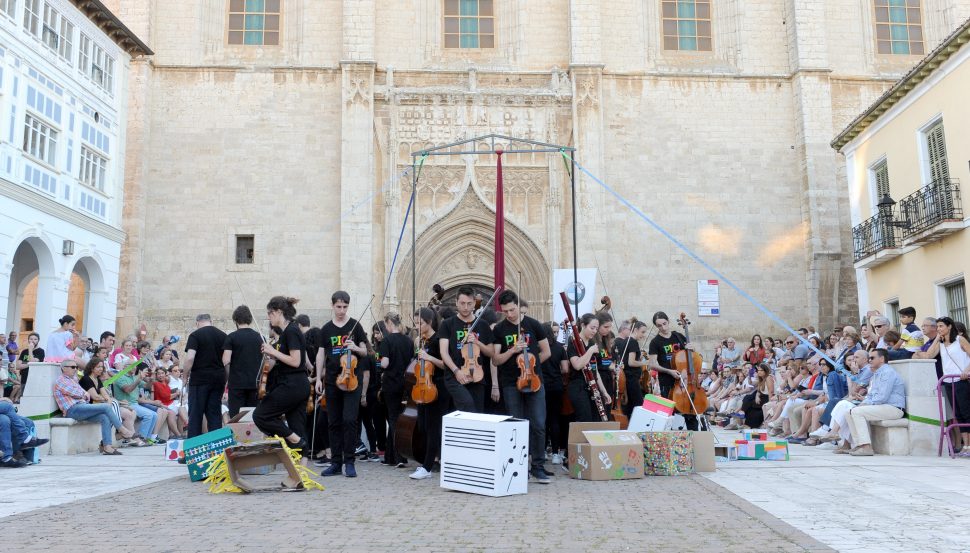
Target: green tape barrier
{"type": "Point", "coordinates": [923, 420]}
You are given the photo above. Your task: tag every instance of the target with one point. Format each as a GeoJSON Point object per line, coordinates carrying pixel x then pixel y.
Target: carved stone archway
{"type": "Point", "coordinates": [458, 249]}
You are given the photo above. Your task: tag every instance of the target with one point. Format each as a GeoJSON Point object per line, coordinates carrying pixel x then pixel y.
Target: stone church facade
{"type": "Point", "coordinates": [300, 142]}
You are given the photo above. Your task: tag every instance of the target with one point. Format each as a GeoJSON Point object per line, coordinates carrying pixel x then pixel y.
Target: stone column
{"type": "Point", "coordinates": [357, 152]}
{"type": "Point", "coordinates": [812, 91]}
{"type": "Point", "coordinates": [6, 269]}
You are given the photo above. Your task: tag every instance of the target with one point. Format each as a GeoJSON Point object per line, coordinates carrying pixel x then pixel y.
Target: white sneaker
{"type": "Point", "coordinates": [823, 430]}
{"type": "Point", "coordinates": [419, 474]}
{"type": "Point", "coordinates": [556, 459]}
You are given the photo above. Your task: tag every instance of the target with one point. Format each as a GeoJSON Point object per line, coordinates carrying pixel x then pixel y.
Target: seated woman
{"type": "Point", "coordinates": [73, 401]}
{"type": "Point", "coordinates": [751, 404]}
{"type": "Point", "coordinates": [162, 396]}
{"type": "Point", "coordinates": [178, 389]}
{"type": "Point", "coordinates": [93, 383]}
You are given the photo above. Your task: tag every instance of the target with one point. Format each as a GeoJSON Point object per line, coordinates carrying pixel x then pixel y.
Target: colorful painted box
{"type": "Point", "coordinates": [658, 405]}
{"type": "Point", "coordinates": [597, 453]}
{"type": "Point", "coordinates": [174, 450]}
{"type": "Point", "coordinates": [667, 453]}
{"type": "Point", "coordinates": [724, 453]}
{"type": "Point", "coordinates": [768, 450]}
{"type": "Point", "coordinates": [754, 435]}
{"type": "Point", "coordinates": [246, 432]}
{"type": "Point", "coordinates": [203, 447]}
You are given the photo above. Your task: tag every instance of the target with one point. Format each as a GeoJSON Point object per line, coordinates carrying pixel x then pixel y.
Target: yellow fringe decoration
{"type": "Point", "coordinates": [220, 482]}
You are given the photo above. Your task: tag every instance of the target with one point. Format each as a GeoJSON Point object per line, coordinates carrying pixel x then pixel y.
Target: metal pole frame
{"type": "Point", "coordinates": [537, 148]}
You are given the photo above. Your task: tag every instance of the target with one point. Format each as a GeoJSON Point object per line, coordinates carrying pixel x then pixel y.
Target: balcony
{"type": "Point", "coordinates": [924, 216]}
{"type": "Point", "coordinates": [875, 241]}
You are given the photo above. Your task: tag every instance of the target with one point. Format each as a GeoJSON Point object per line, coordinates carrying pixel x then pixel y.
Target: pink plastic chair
{"type": "Point", "coordinates": [944, 427]}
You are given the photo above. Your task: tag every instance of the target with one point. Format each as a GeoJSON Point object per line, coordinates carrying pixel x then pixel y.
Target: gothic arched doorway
{"type": "Point", "coordinates": [458, 249]}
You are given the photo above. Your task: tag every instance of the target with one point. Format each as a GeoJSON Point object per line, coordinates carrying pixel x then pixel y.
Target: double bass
{"type": "Point", "coordinates": [689, 398]}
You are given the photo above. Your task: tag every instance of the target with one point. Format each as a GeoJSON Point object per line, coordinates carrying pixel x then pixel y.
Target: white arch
{"type": "Point", "coordinates": [38, 245]}
{"type": "Point", "coordinates": [95, 293]}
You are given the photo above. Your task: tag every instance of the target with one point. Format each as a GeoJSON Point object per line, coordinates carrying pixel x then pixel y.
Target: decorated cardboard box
{"type": "Point", "coordinates": [667, 453]}
{"type": "Point", "coordinates": [201, 448]}
{"type": "Point", "coordinates": [174, 450]}
{"type": "Point", "coordinates": [755, 450]}
{"type": "Point", "coordinates": [754, 435]}
{"type": "Point", "coordinates": [246, 432]}
{"type": "Point", "coordinates": [484, 454]}
{"type": "Point", "coordinates": [601, 451]}
{"type": "Point", "coordinates": [658, 404]}
{"type": "Point", "coordinates": [724, 453]}
{"type": "Point", "coordinates": [643, 420]}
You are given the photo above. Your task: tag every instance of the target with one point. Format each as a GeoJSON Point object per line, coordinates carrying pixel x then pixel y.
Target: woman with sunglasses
{"type": "Point", "coordinates": [954, 351]}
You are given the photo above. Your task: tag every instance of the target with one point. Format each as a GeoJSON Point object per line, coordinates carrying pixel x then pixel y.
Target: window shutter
{"type": "Point", "coordinates": [882, 179]}
{"type": "Point", "coordinates": [939, 170]}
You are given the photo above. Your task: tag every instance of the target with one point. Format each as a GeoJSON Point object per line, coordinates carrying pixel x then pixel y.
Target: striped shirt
{"type": "Point", "coordinates": [68, 393]}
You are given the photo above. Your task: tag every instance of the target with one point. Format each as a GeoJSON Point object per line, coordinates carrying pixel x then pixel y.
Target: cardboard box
{"type": "Point", "coordinates": [643, 420]}
{"type": "Point", "coordinates": [756, 450]}
{"type": "Point", "coordinates": [484, 454]}
{"type": "Point", "coordinates": [658, 404]}
{"type": "Point", "coordinates": [703, 444]}
{"type": "Point", "coordinates": [667, 453]}
{"type": "Point", "coordinates": [754, 435]}
{"type": "Point", "coordinates": [174, 450]}
{"type": "Point", "coordinates": [601, 451]}
{"type": "Point", "coordinates": [246, 432]}
{"type": "Point", "coordinates": [259, 458]}
{"type": "Point", "coordinates": [202, 447]}
{"type": "Point", "coordinates": [725, 453]}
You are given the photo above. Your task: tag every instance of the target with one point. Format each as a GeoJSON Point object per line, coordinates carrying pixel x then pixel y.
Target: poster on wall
{"type": "Point", "coordinates": [584, 290]}
{"type": "Point", "coordinates": [708, 298]}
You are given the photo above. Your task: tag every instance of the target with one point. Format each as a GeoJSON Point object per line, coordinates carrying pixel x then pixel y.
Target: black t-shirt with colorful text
{"type": "Point", "coordinates": [594, 361]}
{"type": "Point", "coordinates": [623, 357]}
{"type": "Point", "coordinates": [291, 339]}
{"type": "Point", "coordinates": [665, 349]}
{"type": "Point", "coordinates": [333, 340]}
{"type": "Point", "coordinates": [455, 329]}
{"type": "Point", "coordinates": [506, 334]}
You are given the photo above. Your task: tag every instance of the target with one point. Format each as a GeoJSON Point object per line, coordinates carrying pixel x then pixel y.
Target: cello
{"type": "Point", "coordinates": [689, 398]}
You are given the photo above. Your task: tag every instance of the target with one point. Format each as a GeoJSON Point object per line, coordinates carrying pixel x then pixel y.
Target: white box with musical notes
{"type": "Point", "coordinates": [484, 454]}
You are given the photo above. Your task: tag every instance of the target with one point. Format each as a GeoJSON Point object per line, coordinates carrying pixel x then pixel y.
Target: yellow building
{"type": "Point", "coordinates": [906, 158]}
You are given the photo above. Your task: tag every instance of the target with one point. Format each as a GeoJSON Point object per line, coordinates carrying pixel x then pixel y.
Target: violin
{"type": "Point", "coordinates": [528, 381]}
{"type": "Point", "coordinates": [347, 379]}
{"type": "Point", "coordinates": [470, 353]}
{"type": "Point", "coordinates": [689, 398]}
{"type": "Point", "coordinates": [424, 390]}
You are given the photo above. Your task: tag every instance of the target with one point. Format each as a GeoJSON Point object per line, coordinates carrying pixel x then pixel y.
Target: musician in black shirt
{"type": "Point", "coordinates": [579, 392]}
{"type": "Point", "coordinates": [290, 387]}
{"type": "Point", "coordinates": [243, 360]}
{"type": "Point", "coordinates": [466, 394]}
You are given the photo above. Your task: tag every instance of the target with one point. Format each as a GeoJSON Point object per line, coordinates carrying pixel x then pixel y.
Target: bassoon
{"type": "Point", "coordinates": [588, 374]}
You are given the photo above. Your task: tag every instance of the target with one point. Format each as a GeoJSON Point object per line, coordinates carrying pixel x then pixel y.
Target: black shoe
{"type": "Point", "coordinates": [550, 474]}
{"type": "Point", "coordinates": [322, 461]}
{"type": "Point", "coordinates": [12, 463]}
{"type": "Point", "coordinates": [34, 442]}
{"type": "Point", "coordinates": [350, 471]}
{"type": "Point", "coordinates": [540, 476]}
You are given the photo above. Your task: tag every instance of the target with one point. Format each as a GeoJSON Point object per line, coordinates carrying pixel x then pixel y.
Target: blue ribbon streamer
{"type": "Point", "coordinates": [697, 258]}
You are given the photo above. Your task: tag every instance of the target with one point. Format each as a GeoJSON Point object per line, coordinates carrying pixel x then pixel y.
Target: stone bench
{"type": "Point", "coordinates": [70, 436]}
{"type": "Point", "coordinates": [890, 437]}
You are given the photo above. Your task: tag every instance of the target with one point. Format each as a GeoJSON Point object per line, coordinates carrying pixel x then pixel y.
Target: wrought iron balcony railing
{"type": "Point", "coordinates": [873, 235]}
{"type": "Point", "coordinates": [935, 203]}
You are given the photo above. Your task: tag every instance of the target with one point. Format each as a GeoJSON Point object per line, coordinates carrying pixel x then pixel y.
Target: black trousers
{"type": "Point", "coordinates": [634, 394]}
{"type": "Point", "coordinates": [470, 397]}
{"type": "Point", "coordinates": [241, 398]}
{"type": "Point", "coordinates": [205, 401]}
{"type": "Point", "coordinates": [554, 419]}
{"type": "Point", "coordinates": [583, 406]}
{"type": "Point", "coordinates": [961, 391]}
{"type": "Point", "coordinates": [318, 430]}
{"type": "Point", "coordinates": [287, 399]}
{"type": "Point", "coordinates": [754, 416]}
{"type": "Point", "coordinates": [342, 410]}
{"type": "Point", "coordinates": [372, 420]}
{"type": "Point", "coordinates": [392, 399]}
{"type": "Point", "coordinates": [432, 424]}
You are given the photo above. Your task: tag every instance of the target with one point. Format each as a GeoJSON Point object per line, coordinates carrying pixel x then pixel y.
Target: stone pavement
{"type": "Point", "coordinates": [860, 504]}
{"type": "Point", "coordinates": [383, 510]}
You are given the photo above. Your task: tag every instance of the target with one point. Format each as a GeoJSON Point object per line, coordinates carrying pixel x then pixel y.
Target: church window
{"type": "Point", "coordinates": [687, 25]}
{"type": "Point", "coordinates": [899, 28]}
{"type": "Point", "coordinates": [245, 248]}
{"type": "Point", "coordinates": [469, 24]}
{"type": "Point", "coordinates": [254, 22]}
